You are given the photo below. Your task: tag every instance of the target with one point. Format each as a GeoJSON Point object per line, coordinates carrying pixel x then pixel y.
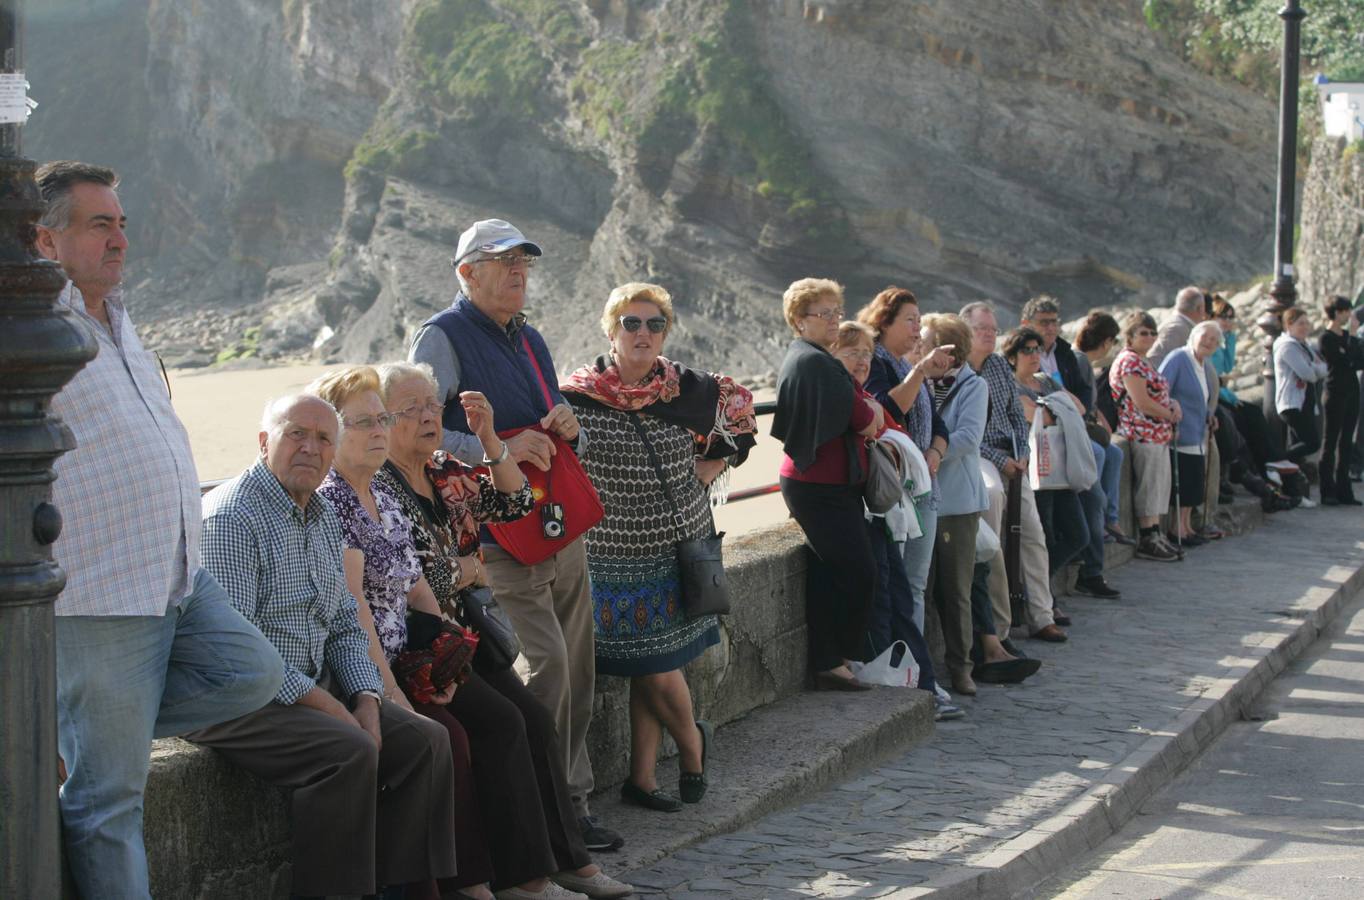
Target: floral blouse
{"type": "Point", "coordinates": [1132, 424]}
{"type": "Point", "coordinates": [442, 534]}
{"type": "Point", "coordinates": [391, 564]}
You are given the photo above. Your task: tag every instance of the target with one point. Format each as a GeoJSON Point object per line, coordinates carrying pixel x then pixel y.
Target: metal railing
{"type": "Point", "coordinates": [765, 408]}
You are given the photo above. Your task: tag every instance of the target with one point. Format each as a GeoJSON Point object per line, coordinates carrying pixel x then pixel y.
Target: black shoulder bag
{"type": "Point", "coordinates": [700, 561]}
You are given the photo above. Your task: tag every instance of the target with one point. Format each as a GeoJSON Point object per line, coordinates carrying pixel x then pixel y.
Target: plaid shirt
{"type": "Point", "coordinates": [128, 493]}
{"type": "Point", "coordinates": [1006, 428]}
{"type": "Point", "coordinates": [281, 566]}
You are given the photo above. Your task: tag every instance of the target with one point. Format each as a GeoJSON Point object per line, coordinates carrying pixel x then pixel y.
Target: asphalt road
{"type": "Point", "coordinates": [1274, 809]}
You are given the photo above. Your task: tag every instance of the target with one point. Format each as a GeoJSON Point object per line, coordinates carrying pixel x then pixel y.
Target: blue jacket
{"type": "Point", "coordinates": [964, 410]}
{"type": "Point", "coordinates": [1179, 369]}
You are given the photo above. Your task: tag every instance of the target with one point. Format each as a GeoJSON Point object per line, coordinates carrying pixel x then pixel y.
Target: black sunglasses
{"type": "Point", "coordinates": [657, 324]}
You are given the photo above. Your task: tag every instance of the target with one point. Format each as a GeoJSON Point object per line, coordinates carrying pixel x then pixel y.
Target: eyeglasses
{"type": "Point", "coordinates": [1046, 323]}
{"type": "Point", "coordinates": [1030, 350]}
{"type": "Point", "coordinates": [1227, 315]}
{"type": "Point", "coordinates": [415, 410]}
{"type": "Point", "coordinates": [984, 329]}
{"type": "Point", "coordinates": [509, 260]}
{"type": "Point", "coordinates": [829, 315]}
{"type": "Point", "coordinates": [368, 423]}
{"type": "Point", "coordinates": [855, 355]}
{"type": "Point", "coordinates": [656, 324]}
{"type": "Point", "coordinates": [1146, 332]}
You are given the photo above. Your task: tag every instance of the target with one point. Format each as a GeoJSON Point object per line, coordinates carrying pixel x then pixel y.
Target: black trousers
{"type": "Point", "coordinates": [1261, 442]}
{"type": "Point", "coordinates": [1064, 524]}
{"type": "Point", "coordinates": [1341, 416]}
{"type": "Point", "coordinates": [840, 581]}
{"type": "Point", "coordinates": [1303, 439]}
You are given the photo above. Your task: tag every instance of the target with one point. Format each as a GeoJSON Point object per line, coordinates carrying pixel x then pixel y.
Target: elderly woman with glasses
{"type": "Point", "coordinates": [1146, 418]}
{"type": "Point", "coordinates": [662, 433]}
{"type": "Point", "coordinates": [822, 421]}
{"type": "Point", "coordinates": [423, 545]}
{"type": "Point", "coordinates": [1184, 372]}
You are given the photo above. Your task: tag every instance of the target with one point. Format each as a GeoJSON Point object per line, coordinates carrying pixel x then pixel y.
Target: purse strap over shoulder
{"type": "Point", "coordinates": [678, 521]}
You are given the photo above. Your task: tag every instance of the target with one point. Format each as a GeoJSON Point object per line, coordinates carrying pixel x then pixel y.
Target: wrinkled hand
{"type": "Point", "coordinates": [479, 412]}
{"type": "Point", "coordinates": [933, 457]}
{"type": "Point", "coordinates": [936, 363]}
{"type": "Point", "coordinates": [561, 421]}
{"type": "Point", "coordinates": [1213, 423]}
{"type": "Point", "coordinates": [366, 715]}
{"type": "Point", "coordinates": [1013, 468]}
{"type": "Point", "coordinates": [533, 447]}
{"type": "Point", "coordinates": [707, 470]}
{"type": "Point", "coordinates": [445, 696]}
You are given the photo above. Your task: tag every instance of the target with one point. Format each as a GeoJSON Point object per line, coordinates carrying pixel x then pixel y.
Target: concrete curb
{"type": "Point", "coordinates": [1034, 856]}
{"type": "Point", "coordinates": [757, 768]}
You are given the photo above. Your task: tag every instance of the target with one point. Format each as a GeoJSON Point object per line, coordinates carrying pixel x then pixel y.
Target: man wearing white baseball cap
{"type": "Point", "coordinates": [483, 343]}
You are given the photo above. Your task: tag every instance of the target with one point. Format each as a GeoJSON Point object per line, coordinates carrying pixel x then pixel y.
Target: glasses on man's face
{"type": "Point", "coordinates": [509, 260]}
{"type": "Point", "coordinates": [655, 324]}
{"type": "Point", "coordinates": [1030, 350]}
{"type": "Point", "coordinates": [415, 410]}
{"type": "Point", "coordinates": [1047, 323]}
{"type": "Point", "coordinates": [985, 330]}
{"type": "Point", "coordinates": [369, 423]}
{"type": "Point", "coordinates": [828, 315]}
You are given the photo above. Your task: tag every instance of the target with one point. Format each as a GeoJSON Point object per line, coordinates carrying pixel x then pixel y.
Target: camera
{"type": "Point", "coordinates": [552, 520]}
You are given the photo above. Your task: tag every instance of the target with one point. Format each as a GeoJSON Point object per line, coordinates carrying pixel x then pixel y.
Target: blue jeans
{"type": "Point", "coordinates": [918, 556]}
{"type": "Point", "coordinates": [1093, 502]}
{"type": "Point", "coordinates": [122, 680]}
{"type": "Point", "coordinates": [1109, 461]}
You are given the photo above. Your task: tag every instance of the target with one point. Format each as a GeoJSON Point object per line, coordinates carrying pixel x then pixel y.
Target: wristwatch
{"type": "Point", "coordinates": [501, 457]}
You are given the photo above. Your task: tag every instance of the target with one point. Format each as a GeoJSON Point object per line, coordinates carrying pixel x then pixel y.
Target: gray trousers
{"type": "Point", "coordinates": [361, 817]}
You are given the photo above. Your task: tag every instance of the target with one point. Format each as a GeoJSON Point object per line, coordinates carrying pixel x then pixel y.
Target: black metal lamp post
{"type": "Point", "coordinates": [41, 349]}
{"type": "Point", "coordinates": [1284, 292]}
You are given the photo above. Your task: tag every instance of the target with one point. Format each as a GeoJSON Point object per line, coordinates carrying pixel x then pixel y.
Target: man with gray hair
{"type": "Point", "coordinates": [147, 643]}
{"type": "Point", "coordinates": [1174, 331]}
{"type": "Point", "coordinates": [372, 803]}
{"type": "Point", "coordinates": [483, 343]}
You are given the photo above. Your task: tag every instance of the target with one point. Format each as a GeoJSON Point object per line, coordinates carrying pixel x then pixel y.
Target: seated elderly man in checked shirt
{"type": "Point", "coordinates": [373, 798]}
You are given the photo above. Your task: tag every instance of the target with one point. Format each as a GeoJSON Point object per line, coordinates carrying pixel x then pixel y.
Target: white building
{"type": "Point", "coordinates": [1342, 108]}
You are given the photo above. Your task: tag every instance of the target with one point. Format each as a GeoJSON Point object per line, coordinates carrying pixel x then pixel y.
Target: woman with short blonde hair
{"type": "Point", "coordinates": [802, 294]}
{"type": "Point", "coordinates": [621, 297]}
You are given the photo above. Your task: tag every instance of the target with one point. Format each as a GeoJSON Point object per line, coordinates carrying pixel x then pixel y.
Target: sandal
{"type": "Point", "coordinates": [656, 799]}
{"type": "Point", "coordinates": [691, 786]}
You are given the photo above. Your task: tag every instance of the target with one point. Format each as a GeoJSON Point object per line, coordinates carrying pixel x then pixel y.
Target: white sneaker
{"type": "Point", "coordinates": [1308, 503]}
{"type": "Point", "coordinates": [942, 695]}
{"type": "Point", "coordinates": [600, 886]}
{"type": "Point", "coordinates": [1273, 476]}
{"type": "Point", "coordinates": [552, 891]}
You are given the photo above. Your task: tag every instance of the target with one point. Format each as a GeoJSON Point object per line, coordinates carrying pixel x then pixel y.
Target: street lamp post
{"type": "Point", "coordinates": [1283, 291]}
{"type": "Point", "coordinates": [41, 349]}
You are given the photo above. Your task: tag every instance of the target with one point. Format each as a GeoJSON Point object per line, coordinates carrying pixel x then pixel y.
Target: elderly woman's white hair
{"type": "Point", "coordinates": [1199, 330]}
{"type": "Point", "coordinates": [394, 372]}
{"type": "Point", "coordinates": [276, 411]}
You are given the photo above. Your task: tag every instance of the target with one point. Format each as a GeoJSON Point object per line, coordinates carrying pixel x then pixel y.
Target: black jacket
{"type": "Point", "coordinates": [1069, 369]}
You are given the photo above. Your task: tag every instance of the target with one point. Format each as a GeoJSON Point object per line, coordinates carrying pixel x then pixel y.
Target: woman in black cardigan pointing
{"type": "Point", "coordinates": [822, 420]}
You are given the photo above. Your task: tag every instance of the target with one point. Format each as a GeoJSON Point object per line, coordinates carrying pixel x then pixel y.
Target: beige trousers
{"type": "Point", "coordinates": [1151, 472]}
{"type": "Point", "coordinates": [1032, 555]}
{"type": "Point", "coordinates": [550, 605]}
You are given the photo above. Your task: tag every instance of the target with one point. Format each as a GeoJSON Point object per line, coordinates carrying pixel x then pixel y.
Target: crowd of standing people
{"type": "Point", "coordinates": [398, 612]}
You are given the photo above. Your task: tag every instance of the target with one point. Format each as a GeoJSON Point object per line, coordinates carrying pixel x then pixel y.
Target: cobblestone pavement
{"type": "Point", "coordinates": [1024, 752]}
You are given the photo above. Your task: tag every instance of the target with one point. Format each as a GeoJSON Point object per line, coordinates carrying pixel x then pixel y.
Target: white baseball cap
{"type": "Point", "coordinates": [492, 236]}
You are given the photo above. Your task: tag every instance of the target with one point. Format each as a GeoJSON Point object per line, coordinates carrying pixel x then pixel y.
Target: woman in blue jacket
{"type": "Point", "coordinates": [1183, 369]}
{"type": "Point", "coordinates": [962, 399]}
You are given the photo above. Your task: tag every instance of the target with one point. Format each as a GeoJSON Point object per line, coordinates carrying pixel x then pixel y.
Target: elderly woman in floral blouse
{"type": "Point", "coordinates": [513, 838]}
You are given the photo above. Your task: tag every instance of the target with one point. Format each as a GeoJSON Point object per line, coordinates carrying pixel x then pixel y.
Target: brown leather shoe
{"type": "Point", "coordinates": [1051, 633]}
{"type": "Point", "coordinates": [963, 684]}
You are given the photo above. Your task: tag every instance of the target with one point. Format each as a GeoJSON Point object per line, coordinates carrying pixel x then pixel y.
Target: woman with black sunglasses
{"type": "Point", "coordinates": [662, 433]}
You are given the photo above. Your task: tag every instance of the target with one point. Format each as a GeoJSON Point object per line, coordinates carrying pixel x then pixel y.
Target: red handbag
{"type": "Point", "coordinates": [566, 503]}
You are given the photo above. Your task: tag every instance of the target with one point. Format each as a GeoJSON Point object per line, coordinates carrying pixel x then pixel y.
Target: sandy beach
{"type": "Point", "coordinates": [221, 409]}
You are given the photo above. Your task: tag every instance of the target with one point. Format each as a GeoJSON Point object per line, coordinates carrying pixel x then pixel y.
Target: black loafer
{"type": "Point", "coordinates": [1006, 671]}
{"type": "Point", "coordinates": [691, 786]}
{"type": "Point", "coordinates": [656, 799]}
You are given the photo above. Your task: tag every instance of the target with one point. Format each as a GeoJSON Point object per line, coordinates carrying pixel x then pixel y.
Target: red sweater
{"type": "Point", "coordinates": [831, 459]}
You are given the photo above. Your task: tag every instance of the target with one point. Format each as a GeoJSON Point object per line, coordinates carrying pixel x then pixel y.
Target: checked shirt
{"type": "Point", "coordinates": [1006, 428]}
{"type": "Point", "coordinates": [281, 566]}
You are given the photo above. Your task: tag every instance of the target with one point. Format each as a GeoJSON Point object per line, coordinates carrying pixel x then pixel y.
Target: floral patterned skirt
{"type": "Point", "coordinates": [641, 626]}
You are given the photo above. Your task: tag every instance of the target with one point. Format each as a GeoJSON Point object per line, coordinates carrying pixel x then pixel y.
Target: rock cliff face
{"type": "Point", "coordinates": [311, 164]}
{"type": "Point", "coordinates": [1330, 252]}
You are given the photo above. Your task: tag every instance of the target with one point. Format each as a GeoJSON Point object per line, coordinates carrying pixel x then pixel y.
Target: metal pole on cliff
{"type": "Point", "coordinates": [41, 349]}
{"type": "Point", "coordinates": [1284, 292]}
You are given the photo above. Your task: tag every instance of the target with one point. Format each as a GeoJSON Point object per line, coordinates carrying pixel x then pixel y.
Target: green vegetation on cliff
{"type": "Point", "coordinates": [473, 61]}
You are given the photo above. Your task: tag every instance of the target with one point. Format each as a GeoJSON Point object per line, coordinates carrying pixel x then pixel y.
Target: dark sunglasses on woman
{"type": "Point", "coordinates": [657, 324]}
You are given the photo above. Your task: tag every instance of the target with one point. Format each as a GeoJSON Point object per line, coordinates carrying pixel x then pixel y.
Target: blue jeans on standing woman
{"type": "Point", "coordinates": [123, 680]}
{"type": "Point", "coordinates": [918, 555]}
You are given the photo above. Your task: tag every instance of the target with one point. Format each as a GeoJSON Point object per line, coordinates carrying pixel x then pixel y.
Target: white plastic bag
{"type": "Point", "coordinates": [882, 671]}
{"type": "Point", "coordinates": [987, 542]}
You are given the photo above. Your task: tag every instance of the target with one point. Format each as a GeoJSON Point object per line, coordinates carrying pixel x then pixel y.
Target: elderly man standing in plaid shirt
{"type": "Point", "coordinates": [373, 785]}
{"type": "Point", "coordinates": [147, 644]}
